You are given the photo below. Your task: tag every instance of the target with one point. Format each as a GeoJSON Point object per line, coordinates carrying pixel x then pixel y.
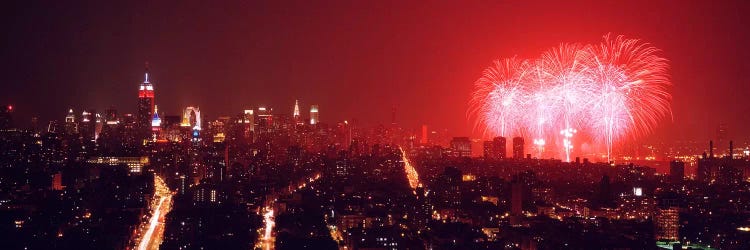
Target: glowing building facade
{"type": "Point", "coordinates": [156, 124]}
{"type": "Point", "coordinates": [296, 116]}
{"type": "Point", "coordinates": [314, 116]}
{"type": "Point", "coordinates": [192, 118]}
{"type": "Point", "coordinates": [248, 124]}
{"type": "Point", "coordinates": [145, 106]}
{"type": "Point", "coordinates": [71, 127]}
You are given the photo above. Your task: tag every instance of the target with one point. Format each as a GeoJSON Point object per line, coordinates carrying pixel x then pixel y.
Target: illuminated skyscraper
{"type": "Point", "coordinates": [155, 124]}
{"type": "Point", "coordinates": [71, 127]}
{"type": "Point", "coordinates": [314, 116]}
{"type": "Point", "coordinates": [518, 147]}
{"type": "Point", "coordinates": [70, 118]}
{"type": "Point", "coordinates": [296, 111]}
{"type": "Point", "coordinates": [264, 121]}
{"type": "Point", "coordinates": [87, 125]}
{"type": "Point", "coordinates": [145, 106]}
{"type": "Point", "coordinates": [192, 118]}
{"type": "Point", "coordinates": [667, 219]}
{"type": "Point", "coordinates": [248, 123]}
{"type": "Point", "coordinates": [156, 121]}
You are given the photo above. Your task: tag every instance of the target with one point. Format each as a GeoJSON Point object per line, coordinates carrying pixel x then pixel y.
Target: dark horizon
{"type": "Point", "coordinates": [354, 60]}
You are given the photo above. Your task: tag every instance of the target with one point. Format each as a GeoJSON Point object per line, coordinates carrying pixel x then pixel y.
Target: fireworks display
{"type": "Point", "coordinates": [601, 93]}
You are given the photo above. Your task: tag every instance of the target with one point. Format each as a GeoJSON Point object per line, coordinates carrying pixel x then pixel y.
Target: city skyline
{"type": "Point", "coordinates": [240, 64]}
{"type": "Point", "coordinates": [375, 125]}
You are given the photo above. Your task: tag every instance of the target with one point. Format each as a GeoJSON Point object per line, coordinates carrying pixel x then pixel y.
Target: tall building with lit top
{"type": "Point", "coordinates": [71, 127]}
{"type": "Point", "coordinates": [70, 117]}
{"type": "Point", "coordinates": [248, 124]}
{"type": "Point", "coordinates": [296, 115]}
{"type": "Point", "coordinates": [264, 120]}
{"type": "Point", "coordinates": [87, 125]}
{"type": "Point", "coordinates": [314, 116]}
{"type": "Point", "coordinates": [155, 124]}
{"type": "Point", "coordinates": [145, 105]}
{"type": "Point", "coordinates": [192, 118]}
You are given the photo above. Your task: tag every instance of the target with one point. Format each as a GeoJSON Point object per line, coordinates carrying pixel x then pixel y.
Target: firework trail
{"type": "Point", "coordinates": [498, 93]}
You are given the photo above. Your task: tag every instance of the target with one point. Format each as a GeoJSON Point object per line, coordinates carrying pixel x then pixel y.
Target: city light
{"type": "Point", "coordinates": [411, 172]}
{"type": "Point", "coordinates": [153, 236]}
{"type": "Point", "coordinates": [471, 125]}
{"type": "Point", "coordinates": [266, 239]}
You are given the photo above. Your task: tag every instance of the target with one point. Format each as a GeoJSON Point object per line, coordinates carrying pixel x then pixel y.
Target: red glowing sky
{"type": "Point", "coordinates": [356, 59]}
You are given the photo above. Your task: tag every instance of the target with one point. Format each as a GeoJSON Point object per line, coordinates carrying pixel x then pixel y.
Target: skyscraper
{"type": "Point", "coordinates": [667, 219]}
{"type": "Point", "coordinates": [192, 118]}
{"type": "Point", "coordinates": [498, 147]}
{"type": "Point", "coordinates": [87, 125]}
{"type": "Point", "coordinates": [145, 106]}
{"type": "Point", "coordinates": [296, 115]}
{"type": "Point", "coordinates": [70, 117]}
{"type": "Point", "coordinates": [248, 124]}
{"type": "Point", "coordinates": [71, 127]}
{"type": "Point", "coordinates": [155, 124]}
{"type": "Point", "coordinates": [264, 121]}
{"type": "Point", "coordinates": [518, 147]}
{"type": "Point", "coordinates": [314, 116]}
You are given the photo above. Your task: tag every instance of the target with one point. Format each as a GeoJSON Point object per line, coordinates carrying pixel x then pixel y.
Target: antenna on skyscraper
{"type": "Point", "coordinates": [145, 80]}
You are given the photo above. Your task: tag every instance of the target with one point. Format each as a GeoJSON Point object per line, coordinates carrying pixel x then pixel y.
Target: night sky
{"type": "Point", "coordinates": [356, 59]}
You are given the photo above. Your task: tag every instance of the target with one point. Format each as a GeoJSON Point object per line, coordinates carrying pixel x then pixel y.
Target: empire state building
{"type": "Point", "coordinates": [145, 105]}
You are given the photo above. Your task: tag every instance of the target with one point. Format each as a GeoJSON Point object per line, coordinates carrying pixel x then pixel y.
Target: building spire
{"type": "Point", "coordinates": [296, 109]}
{"type": "Point", "coordinates": [145, 80]}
